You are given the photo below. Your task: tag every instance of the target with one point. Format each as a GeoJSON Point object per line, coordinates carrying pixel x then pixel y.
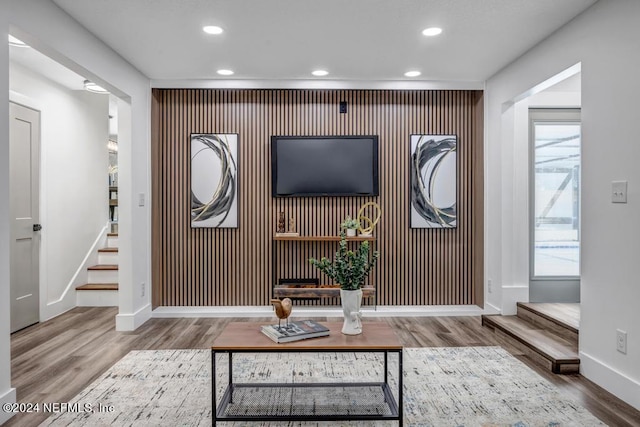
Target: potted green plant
{"type": "Point", "coordinates": [349, 269]}
{"type": "Point", "coordinates": [351, 225]}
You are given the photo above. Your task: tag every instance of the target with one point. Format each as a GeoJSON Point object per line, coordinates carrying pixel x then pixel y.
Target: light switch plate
{"type": "Point", "coordinates": [619, 191]}
{"type": "Point", "coordinates": [621, 341]}
{"type": "Point", "coordinates": [140, 199]}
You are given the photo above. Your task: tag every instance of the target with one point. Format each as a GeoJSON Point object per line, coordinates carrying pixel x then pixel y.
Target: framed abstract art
{"type": "Point", "coordinates": [434, 181]}
{"type": "Point", "coordinates": [214, 180]}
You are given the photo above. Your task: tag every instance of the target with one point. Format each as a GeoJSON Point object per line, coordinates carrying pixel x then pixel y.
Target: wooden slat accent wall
{"type": "Point", "coordinates": [209, 267]}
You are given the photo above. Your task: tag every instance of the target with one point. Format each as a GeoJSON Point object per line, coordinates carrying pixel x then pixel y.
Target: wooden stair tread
{"type": "Point", "coordinates": [98, 287]}
{"type": "Point", "coordinates": [104, 267]}
{"type": "Point", "coordinates": [564, 315]}
{"type": "Point", "coordinates": [543, 342]}
{"type": "Point", "coordinates": [108, 250]}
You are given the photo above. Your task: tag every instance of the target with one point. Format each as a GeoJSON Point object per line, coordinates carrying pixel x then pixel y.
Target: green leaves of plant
{"type": "Point", "coordinates": [348, 268]}
{"type": "Point", "coordinates": [350, 223]}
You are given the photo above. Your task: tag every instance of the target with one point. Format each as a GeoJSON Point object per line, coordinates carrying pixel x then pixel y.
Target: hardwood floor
{"type": "Point", "coordinates": [55, 360]}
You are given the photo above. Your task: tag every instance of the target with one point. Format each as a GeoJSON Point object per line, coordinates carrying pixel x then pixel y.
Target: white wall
{"type": "Point", "coordinates": [45, 26]}
{"type": "Point", "coordinates": [7, 394]}
{"type": "Point", "coordinates": [604, 39]}
{"type": "Point", "coordinates": [73, 189]}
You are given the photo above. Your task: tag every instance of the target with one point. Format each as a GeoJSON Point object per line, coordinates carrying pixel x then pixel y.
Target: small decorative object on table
{"type": "Point", "coordinates": [283, 310]}
{"type": "Point", "coordinates": [349, 269]}
{"type": "Point", "coordinates": [362, 219]}
{"type": "Point", "coordinates": [280, 227]}
{"type": "Point", "coordinates": [351, 225]}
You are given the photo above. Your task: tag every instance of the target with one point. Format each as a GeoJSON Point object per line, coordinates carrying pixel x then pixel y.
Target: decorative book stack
{"type": "Point", "coordinates": [295, 331]}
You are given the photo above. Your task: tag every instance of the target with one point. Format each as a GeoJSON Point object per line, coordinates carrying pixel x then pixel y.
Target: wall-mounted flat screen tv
{"type": "Point", "coordinates": [324, 166]}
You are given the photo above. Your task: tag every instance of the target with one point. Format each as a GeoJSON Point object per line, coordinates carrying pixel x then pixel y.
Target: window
{"type": "Point", "coordinates": [555, 193]}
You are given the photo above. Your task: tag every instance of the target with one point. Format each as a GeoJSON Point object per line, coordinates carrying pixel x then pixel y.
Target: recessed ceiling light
{"type": "Point", "coordinates": [225, 72]}
{"type": "Point", "coordinates": [320, 73]}
{"type": "Point", "coordinates": [92, 87]}
{"type": "Point", "coordinates": [412, 73]}
{"type": "Point", "coordinates": [433, 31]}
{"type": "Point", "coordinates": [15, 42]}
{"type": "Point", "coordinates": [212, 29]}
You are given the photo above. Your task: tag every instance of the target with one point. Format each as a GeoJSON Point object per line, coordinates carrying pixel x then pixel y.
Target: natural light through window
{"type": "Point", "coordinates": [557, 199]}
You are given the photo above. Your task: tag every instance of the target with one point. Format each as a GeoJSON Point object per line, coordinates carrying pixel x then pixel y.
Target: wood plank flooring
{"type": "Point", "coordinates": [53, 361]}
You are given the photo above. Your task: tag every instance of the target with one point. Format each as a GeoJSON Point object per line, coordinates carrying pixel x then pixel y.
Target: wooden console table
{"type": "Point", "coordinates": [261, 401]}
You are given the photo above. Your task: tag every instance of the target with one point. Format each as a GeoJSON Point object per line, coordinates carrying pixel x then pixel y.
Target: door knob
{"type": "Point", "coordinates": [37, 227]}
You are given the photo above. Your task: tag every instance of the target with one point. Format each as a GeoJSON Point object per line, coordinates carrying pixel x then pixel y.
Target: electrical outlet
{"type": "Point", "coordinates": [142, 289]}
{"type": "Point", "coordinates": [619, 191]}
{"type": "Point", "coordinates": [489, 286]}
{"type": "Point", "coordinates": [621, 341]}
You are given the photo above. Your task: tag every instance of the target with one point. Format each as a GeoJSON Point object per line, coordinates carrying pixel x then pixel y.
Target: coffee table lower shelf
{"type": "Point", "coordinates": [307, 402]}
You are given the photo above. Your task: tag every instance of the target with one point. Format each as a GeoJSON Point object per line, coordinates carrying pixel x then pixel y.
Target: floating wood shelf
{"type": "Point", "coordinates": [323, 238]}
{"type": "Point", "coordinates": [316, 292]}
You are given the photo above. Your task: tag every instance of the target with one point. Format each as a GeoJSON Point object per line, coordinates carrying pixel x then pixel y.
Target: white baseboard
{"type": "Point", "coordinates": [610, 379]}
{"type": "Point", "coordinates": [8, 397]}
{"type": "Point", "coordinates": [424, 310]}
{"type": "Point", "coordinates": [491, 309]}
{"type": "Point", "coordinates": [266, 311]}
{"type": "Point", "coordinates": [208, 311]}
{"type": "Point", "coordinates": [131, 322]}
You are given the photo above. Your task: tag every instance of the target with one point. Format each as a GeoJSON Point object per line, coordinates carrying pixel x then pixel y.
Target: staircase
{"type": "Point", "coordinates": [102, 287]}
{"type": "Point", "coordinates": [547, 333]}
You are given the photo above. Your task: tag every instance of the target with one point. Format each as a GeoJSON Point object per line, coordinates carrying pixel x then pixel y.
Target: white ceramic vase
{"type": "Point", "coordinates": [351, 301]}
{"type": "Point", "coordinates": [351, 232]}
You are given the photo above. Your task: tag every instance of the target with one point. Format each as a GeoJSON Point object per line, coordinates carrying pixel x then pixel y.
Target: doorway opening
{"type": "Point", "coordinates": [555, 146]}
{"type": "Point", "coordinates": [73, 204]}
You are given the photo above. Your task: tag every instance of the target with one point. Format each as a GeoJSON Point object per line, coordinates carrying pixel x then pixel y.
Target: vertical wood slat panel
{"type": "Point", "coordinates": [238, 266]}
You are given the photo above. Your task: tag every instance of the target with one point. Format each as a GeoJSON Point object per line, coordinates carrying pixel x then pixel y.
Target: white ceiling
{"type": "Point", "coordinates": [359, 40]}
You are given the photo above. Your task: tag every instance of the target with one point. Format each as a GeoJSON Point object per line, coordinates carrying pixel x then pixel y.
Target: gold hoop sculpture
{"type": "Point", "coordinates": [366, 231]}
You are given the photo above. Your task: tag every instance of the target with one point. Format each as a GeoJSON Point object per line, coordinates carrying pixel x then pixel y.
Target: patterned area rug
{"type": "Point", "coordinates": [466, 386]}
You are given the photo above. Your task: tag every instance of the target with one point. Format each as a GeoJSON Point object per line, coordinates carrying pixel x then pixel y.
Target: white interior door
{"type": "Point", "coordinates": [24, 134]}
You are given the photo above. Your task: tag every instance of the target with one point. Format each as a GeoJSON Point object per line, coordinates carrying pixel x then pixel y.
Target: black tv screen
{"type": "Point", "coordinates": [324, 166]}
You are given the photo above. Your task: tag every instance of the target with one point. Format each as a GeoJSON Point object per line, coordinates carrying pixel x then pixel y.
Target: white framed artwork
{"type": "Point", "coordinates": [434, 181]}
{"type": "Point", "coordinates": [214, 180]}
